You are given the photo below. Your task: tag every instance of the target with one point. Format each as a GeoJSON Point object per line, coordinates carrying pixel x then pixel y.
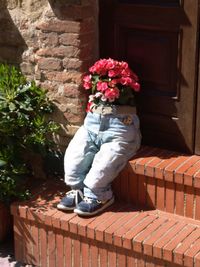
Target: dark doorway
{"type": "Point", "coordinates": [159, 41]}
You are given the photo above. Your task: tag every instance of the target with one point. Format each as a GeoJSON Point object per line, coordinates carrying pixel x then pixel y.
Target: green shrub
{"type": "Point", "coordinates": [24, 128]}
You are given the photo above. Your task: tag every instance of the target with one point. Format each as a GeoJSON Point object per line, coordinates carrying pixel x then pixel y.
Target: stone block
{"type": "Point", "coordinates": [60, 52]}
{"type": "Point", "coordinates": [55, 25]}
{"type": "Point", "coordinates": [72, 63]}
{"type": "Point", "coordinates": [49, 39]}
{"type": "Point", "coordinates": [74, 77]}
{"type": "Point", "coordinates": [71, 39]}
{"type": "Point", "coordinates": [50, 64]}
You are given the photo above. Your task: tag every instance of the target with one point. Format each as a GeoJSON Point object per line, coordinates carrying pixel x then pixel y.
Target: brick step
{"type": "Point", "coordinates": [123, 235]}
{"type": "Point", "coordinates": [161, 179]}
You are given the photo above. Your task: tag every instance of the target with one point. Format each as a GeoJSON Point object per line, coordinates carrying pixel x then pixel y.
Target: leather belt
{"type": "Point", "coordinates": [106, 110]}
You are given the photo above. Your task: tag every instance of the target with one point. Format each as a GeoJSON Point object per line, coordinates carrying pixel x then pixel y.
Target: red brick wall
{"type": "Point", "coordinates": [54, 42]}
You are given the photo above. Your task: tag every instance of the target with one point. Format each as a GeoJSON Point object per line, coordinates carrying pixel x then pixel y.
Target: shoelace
{"type": "Point", "coordinates": [71, 193]}
{"type": "Point", "coordinates": [90, 200]}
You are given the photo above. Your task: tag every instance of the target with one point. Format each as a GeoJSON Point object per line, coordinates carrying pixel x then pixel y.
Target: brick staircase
{"type": "Point", "coordinates": [154, 222]}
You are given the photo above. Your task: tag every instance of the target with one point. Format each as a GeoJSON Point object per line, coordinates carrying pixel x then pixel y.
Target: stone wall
{"type": "Point", "coordinates": [54, 42]}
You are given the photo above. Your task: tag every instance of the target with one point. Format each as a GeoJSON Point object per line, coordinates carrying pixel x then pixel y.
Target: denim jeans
{"type": "Point", "coordinates": [99, 151]}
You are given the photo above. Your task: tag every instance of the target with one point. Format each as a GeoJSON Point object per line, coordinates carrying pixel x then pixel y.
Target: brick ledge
{"type": "Point", "coordinates": [167, 165]}
{"type": "Point", "coordinates": [152, 233]}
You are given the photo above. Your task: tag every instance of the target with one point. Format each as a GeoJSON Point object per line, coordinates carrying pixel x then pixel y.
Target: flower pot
{"type": "Point", "coordinates": [5, 221]}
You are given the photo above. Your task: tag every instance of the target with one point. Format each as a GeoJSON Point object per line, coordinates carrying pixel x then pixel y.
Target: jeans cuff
{"type": "Point", "coordinates": [100, 194]}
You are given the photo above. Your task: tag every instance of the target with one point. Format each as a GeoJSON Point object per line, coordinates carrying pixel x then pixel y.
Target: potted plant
{"type": "Point", "coordinates": [24, 129]}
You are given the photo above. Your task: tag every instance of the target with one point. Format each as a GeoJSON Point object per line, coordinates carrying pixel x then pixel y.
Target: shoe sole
{"type": "Point", "coordinates": [83, 213]}
{"type": "Point", "coordinates": [64, 208]}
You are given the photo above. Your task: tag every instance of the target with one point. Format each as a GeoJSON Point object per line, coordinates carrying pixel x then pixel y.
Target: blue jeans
{"type": "Point", "coordinates": [99, 151]}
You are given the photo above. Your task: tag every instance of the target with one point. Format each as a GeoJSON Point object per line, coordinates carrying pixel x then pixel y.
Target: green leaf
{"type": "Point", "coordinates": [2, 163]}
{"type": "Point", "coordinates": [12, 106]}
{"type": "Point", "coordinates": [24, 128]}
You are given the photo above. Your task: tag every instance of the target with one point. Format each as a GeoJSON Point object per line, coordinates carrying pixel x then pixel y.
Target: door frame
{"type": "Point", "coordinates": [197, 119]}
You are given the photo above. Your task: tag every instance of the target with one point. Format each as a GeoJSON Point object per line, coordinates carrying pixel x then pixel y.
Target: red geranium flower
{"type": "Point", "coordinates": [109, 80]}
{"type": "Point", "coordinates": [102, 86]}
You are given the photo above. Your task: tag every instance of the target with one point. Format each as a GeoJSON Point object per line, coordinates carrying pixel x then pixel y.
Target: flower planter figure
{"type": "Point", "coordinates": [109, 137]}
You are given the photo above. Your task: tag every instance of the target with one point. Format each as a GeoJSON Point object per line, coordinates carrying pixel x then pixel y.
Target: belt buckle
{"type": "Point", "coordinates": [107, 110]}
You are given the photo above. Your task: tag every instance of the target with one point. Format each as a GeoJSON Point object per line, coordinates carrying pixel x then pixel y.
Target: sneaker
{"type": "Point", "coordinates": [90, 206]}
{"type": "Point", "coordinates": [71, 199]}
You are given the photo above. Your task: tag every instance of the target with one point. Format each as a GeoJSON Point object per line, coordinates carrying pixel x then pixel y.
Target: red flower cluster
{"type": "Point", "coordinates": [107, 79]}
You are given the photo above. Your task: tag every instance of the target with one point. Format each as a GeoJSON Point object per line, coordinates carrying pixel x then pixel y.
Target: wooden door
{"type": "Point", "coordinates": [159, 40]}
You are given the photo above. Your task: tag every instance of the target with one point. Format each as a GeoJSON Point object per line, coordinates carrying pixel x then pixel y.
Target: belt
{"type": "Point", "coordinates": [106, 110]}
